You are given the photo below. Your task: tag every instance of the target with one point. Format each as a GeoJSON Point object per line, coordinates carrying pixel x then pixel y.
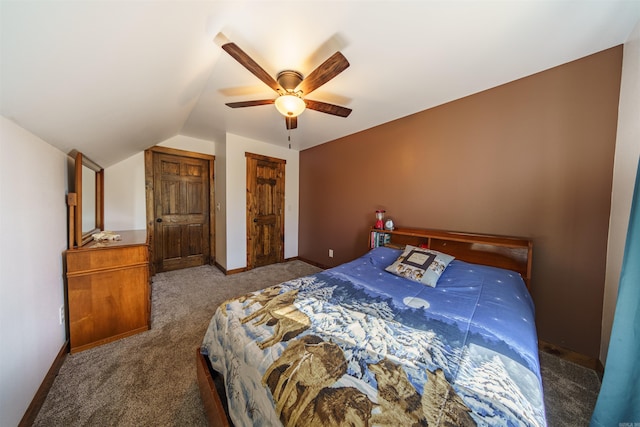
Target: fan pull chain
{"type": "Point", "coordinates": [289, 138]}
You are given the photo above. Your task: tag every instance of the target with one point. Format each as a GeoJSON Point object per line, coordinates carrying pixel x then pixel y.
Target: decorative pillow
{"type": "Point", "coordinates": [420, 265]}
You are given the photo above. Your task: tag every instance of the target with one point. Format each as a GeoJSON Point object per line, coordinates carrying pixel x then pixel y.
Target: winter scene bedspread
{"type": "Point", "coordinates": [356, 345]}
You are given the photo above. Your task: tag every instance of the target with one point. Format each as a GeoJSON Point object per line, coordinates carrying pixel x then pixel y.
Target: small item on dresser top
{"type": "Point", "coordinates": [388, 225]}
{"type": "Point", "coordinates": [380, 219]}
{"type": "Point", "coordinates": [105, 236]}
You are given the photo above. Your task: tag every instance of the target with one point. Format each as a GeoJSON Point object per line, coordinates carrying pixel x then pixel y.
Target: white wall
{"type": "Point", "coordinates": [624, 174]}
{"type": "Point", "coordinates": [33, 226]}
{"type": "Point", "coordinates": [236, 192]}
{"type": "Point", "coordinates": [221, 202]}
{"type": "Point", "coordinates": [124, 195]}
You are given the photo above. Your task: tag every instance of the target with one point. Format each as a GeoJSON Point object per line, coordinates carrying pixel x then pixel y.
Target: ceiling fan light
{"type": "Point", "coordinates": [290, 105]}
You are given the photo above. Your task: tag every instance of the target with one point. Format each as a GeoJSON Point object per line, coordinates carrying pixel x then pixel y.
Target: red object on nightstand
{"type": "Point", "coordinates": [380, 219]}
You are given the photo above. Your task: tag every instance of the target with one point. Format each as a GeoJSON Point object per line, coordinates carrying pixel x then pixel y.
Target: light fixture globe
{"type": "Point", "coordinates": [290, 105]}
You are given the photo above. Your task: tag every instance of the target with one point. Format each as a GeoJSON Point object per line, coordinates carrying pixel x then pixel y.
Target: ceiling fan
{"type": "Point", "coordinates": [292, 87]}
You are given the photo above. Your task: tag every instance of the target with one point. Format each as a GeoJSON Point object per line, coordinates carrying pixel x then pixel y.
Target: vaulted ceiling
{"type": "Point", "coordinates": [111, 78]}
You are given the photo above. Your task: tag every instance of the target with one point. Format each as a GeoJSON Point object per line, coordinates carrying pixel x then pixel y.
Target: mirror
{"type": "Point", "coordinates": [88, 199]}
{"type": "Point", "coordinates": [89, 209]}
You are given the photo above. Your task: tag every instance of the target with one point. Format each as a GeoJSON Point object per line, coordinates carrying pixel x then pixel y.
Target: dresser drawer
{"type": "Point", "coordinates": [107, 305]}
{"type": "Point", "coordinates": [84, 261]}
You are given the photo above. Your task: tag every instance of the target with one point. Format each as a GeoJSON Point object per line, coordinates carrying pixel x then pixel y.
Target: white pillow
{"type": "Point", "coordinates": [420, 265]}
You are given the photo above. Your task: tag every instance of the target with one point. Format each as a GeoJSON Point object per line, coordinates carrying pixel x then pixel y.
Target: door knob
{"type": "Point", "coordinates": [159, 220]}
{"type": "Point", "coordinates": [255, 219]}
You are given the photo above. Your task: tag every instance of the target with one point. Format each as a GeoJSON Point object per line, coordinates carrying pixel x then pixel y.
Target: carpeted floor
{"type": "Point", "coordinates": [570, 391]}
{"type": "Point", "coordinates": [149, 379]}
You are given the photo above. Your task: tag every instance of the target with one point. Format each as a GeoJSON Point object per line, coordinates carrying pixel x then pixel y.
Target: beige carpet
{"type": "Point", "coordinates": [149, 379]}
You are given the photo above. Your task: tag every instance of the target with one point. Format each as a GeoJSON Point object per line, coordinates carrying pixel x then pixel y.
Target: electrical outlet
{"type": "Point", "coordinates": [330, 253]}
{"type": "Point", "coordinates": [61, 314]}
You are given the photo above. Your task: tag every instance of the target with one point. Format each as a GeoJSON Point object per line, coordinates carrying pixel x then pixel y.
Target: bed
{"type": "Point", "coordinates": [366, 343]}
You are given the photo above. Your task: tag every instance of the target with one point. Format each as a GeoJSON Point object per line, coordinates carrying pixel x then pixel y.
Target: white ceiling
{"type": "Point", "coordinates": [111, 78]}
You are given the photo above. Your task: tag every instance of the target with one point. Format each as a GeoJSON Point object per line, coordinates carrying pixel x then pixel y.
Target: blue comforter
{"type": "Point", "coordinates": [356, 345]}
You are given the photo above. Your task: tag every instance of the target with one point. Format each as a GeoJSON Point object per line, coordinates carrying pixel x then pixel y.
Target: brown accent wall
{"type": "Point", "coordinates": [530, 158]}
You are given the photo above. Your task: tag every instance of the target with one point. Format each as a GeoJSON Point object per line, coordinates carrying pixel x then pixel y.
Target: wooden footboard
{"type": "Point", "coordinates": [213, 405]}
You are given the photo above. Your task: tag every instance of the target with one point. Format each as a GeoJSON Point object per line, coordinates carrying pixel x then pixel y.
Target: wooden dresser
{"type": "Point", "coordinates": [108, 290]}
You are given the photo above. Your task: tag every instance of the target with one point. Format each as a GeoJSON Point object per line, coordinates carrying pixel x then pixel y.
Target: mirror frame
{"type": "Point", "coordinates": [82, 238]}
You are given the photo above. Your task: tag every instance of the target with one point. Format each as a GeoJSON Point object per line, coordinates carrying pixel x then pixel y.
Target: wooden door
{"type": "Point", "coordinates": [181, 211]}
{"type": "Point", "coordinates": [265, 210]}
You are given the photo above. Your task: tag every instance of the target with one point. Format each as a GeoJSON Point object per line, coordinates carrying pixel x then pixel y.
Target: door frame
{"type": "Point", "coordinates": [248, 207]}
{"type": "Point", "coordinates": [150, 202]}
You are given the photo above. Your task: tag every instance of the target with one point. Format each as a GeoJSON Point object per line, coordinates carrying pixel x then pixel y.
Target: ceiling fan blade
{"type": "Point", "coordinates": [291, 122]}
{"type": "Point", "coordinates": [241, 104]}
{"type": "Point", "coordinates": [330, 68]}
{"type": "Point", "coordinates": [251, 65]}
{"type": "Point", "coordinates": [323, 107]}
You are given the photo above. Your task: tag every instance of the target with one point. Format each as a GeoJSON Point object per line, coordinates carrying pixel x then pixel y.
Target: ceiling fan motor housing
{"type": "Point", "coordinates": [289, 79]}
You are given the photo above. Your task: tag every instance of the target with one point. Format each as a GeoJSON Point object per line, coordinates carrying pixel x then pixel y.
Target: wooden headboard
{"type": "Point", "coordinates": [511, 253]}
